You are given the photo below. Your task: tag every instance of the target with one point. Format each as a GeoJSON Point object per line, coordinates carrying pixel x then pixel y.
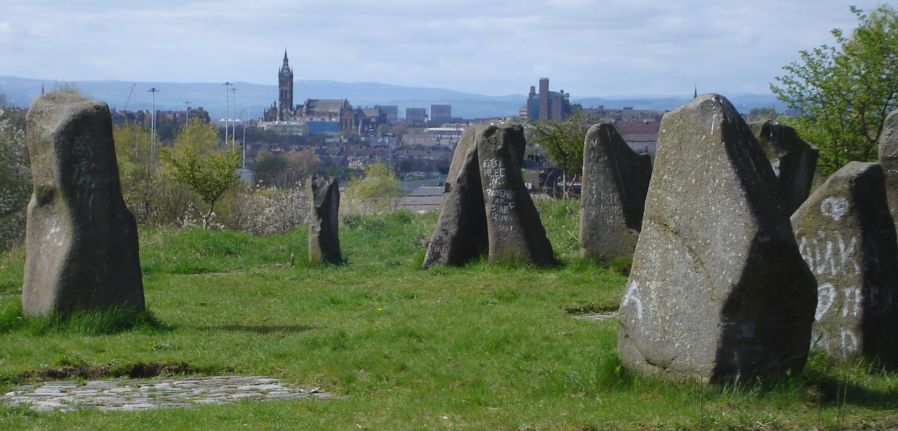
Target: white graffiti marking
{"type": "Point", "coordinates": [829, 256]}
{"type": "Point", "coordinates": [834, 207]}
{"type": "Point", "coordinates": [849, 342]}
{"type": "Point", "coordinates": [632, 295]}
{"type": "Point", "coordinates": [826, 295]}
{"type": "Point", "coordinates": [851, 301]}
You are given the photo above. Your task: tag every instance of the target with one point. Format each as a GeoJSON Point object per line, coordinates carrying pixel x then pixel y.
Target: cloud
{"type": "Point", "coordinates": [589, 48]}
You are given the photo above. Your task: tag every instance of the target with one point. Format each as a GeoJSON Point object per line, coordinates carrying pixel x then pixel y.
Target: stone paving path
{"type": "Point", "coordinates": [605, 315]}
{"type": "Point", "coordinates": [129, 395]}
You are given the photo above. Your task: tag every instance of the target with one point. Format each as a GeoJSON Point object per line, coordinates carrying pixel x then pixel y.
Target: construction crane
{"type": "Point", "coordinates": [130, 93]}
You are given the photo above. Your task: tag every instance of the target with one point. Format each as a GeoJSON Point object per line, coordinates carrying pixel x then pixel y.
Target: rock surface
{"type": "Point", "coordinates": [794, 161]}
{"type": "Point", "coordinates": [718, 289]}
{"type": "Point", "coordinates": [81, 240]}
{"type": "Point", "coordinates": [615, 182]}
{"type": "Point", "coordinates": [324, 235]}
{"type": "Point", "coordinates": [130, 395]}
{"type": "Point", "coordinates": [847, 237]}
{"type": "Point", "coordinates": [514, 229]}
{"type": "Point", "coordinates": [461, 234]}
{"type": "Point", "coordinates": [888, 158]}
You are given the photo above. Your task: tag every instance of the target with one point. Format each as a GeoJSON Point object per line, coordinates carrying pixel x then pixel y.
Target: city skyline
{"type": "Point", "coordinates": [589, 49]}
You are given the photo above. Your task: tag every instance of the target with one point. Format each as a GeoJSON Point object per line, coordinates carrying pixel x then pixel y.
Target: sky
{"type": "Point", "coordinates": [610, 48]}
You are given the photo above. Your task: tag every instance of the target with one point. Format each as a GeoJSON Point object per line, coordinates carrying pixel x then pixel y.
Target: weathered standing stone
{"type": "Point", "coordinates": [324, 238]}
{"type": "Point", "coordinates": [615, 181]}
{"type": "Point", "coordinates": [794, 161]}
{"type": "Point", "coordinates": [460, 234]}
{"type": "Point", "coordinates": [888, 158]}
{"type": "Point", "coordinates": [847, 237]}
{"type": "Point", "coordinates": [81, 240]}
{"type": "Point", "coordinates": [718, 289]}
{"type": "Point", "coordinates": [513, 226]}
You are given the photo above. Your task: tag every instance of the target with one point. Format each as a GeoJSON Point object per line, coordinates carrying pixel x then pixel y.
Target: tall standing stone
{"type": "Point", "coordinates": [488, 209]}
{"type": "Point", "coordinates": [615, 182]}
{"type": "Point", "coordinates": [888, 158]}
{"type": "Point", "coordinates": [847, 237]}
{"type": "Point", "coordinates": [460, 234]}
{"type": "Point", "coordinates": [513, 226]}
{"type": "Point", "coordinates": [80, 239]}
{"type": "Point", "coordinates": [718, 289]}
{"type": "Point", "coordinates": [794, 161]}
{"type": "Point", "coordinates": [324, 237]}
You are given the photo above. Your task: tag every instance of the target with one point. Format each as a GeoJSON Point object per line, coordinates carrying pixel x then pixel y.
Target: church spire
{"type": "Point", "coordinates": [694, 91]}
{"type": "Point", "coordinates": [285, 56]}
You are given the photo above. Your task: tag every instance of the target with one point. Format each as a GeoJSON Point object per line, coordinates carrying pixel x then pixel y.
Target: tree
{"type": "Point", "coordinates": [564, 143]}
{"type": "Point", "coordinates": [844, 92]}
{"type": "Point", "coordinates": [284, 170]}
{"type": "Point", "coordinates": [196, 161]}
{"type": "Point", "coordinates": [15, 182]}
{"type": "Point", "coordinates": [132, 152]}
{"type": "Point", "coordinates": [375, 190]}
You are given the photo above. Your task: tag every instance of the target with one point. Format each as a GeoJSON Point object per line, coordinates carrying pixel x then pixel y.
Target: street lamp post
{"type": "Point", "coordinates": [153, 91]}
{"type": "Point", "coordinates": [187, 121]}
{"type": "Point", "coordinates": [227, 85]}
{"type": "Point", "coordinates": [234, 124]}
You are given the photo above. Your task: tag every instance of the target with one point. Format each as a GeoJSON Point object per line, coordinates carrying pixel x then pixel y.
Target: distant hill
{"type": "Point", "coordinates": [743, 102]}
{"type": "Point", "coordinates": [252, 99]}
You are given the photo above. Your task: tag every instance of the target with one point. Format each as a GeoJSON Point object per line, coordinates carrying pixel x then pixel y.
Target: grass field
{"type": "Point", "coordinates": [479, 347]}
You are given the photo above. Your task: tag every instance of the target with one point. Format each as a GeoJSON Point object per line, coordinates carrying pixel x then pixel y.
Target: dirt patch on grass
{"type": "Point", "coordinates": [591, 309]}
{"type": "Point", "coordinates": [135, 371]}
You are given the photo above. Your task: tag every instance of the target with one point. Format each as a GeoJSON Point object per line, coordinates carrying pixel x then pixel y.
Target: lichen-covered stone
{"type": "Point", "coordinates": [513, 226]}
{"type": "Point", "coordinates": [718, 289]}
{"type": "Point", "coordinates": [488, 209]}
{"type": "Point", "coordinates": [888, 158]}
{"type": "Point", "coordinates": [460, 234]}
{"type": "Point", "coordinates": [324, 235]}
{"type": "Point", "coordinates": [81, 240]}
{"type": "Point", "coordinates": [794, 161]}
{"type": "Point", "coordinates": [847, 237]}
{"type": "Point", "coordinates": [612, 198]}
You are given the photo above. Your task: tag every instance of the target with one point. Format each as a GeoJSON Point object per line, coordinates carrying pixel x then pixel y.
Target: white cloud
{"type": "Point", "coordinates": [589, 48]}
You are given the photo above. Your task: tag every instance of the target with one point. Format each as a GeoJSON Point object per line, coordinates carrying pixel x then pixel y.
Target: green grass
{"type": "Point", "coordinates": [479, 347]}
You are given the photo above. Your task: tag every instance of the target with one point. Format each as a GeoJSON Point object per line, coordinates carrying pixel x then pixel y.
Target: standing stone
{"type": "Point", "coordinates": [794, 161]}
{"type": "Point", "coordinates": [888, 157]}
{"type": "Point", "coordinates": [460, 234]}
{"type": "Point", "coordinates": [324, 238]}
{"type": "Point", "coordinates": [513, 226]}
{"type": "Point", "coordinates": [615, 181]}
{"type": "Point", "coordinates": [847, 237]}
{"type": "Point", "coordinates": [718, 289]}
{"type": "Point", "coordinates": [80, 239]}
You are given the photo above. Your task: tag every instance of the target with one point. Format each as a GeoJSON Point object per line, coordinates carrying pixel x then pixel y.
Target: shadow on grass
{"type": "Point", "coordinates": [140, 370]}
{"type": "Point", "coordinates": [834, 390]}
{"type": "Point", "coordinates": [258, 329]}
{"type": "Point", "coordinates": [861, 382]}
{"type": "Point", "coordinates": [89, 322]}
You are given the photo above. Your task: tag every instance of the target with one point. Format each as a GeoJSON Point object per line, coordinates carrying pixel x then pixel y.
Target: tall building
{"type": "Point", "coordinates": [285, 90]}
{"type": "Point", "coordinates": [416, 116]}
{"type": "Point", "coordinates": [391, 111]}
{"type": "Point", "coordinates": [440, 113]}
{"type": "Point", "coordinates": [547, 105]}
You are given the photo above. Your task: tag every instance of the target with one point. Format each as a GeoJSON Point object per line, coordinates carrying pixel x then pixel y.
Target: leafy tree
{"type": "Point", "coordinates": [284, 170]}
{"type": "Point", "coordinates": [15, 182]}
{"type": "Point", "coordinates": [132, 152]}
{"type": "Point", "coordinates": [376, 190]}
{"type": "Point", "coordinates": [564, 142]}
{"type": "Point", "coordinates": [196, 161]}
{"type": "Point", "coordinates": [268, 167]}
{"type": "Point", "coordinates": [844, 92]}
